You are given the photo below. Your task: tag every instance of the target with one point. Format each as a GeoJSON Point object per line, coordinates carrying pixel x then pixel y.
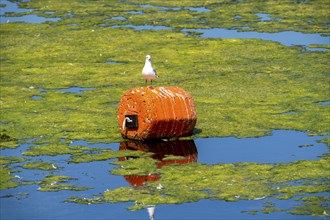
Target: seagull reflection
{"type": "Point", "coordinates": [184, 151]}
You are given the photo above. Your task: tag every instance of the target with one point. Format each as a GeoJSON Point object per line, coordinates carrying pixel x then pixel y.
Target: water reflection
{"type": "Point", "coordinates": [166, 152]}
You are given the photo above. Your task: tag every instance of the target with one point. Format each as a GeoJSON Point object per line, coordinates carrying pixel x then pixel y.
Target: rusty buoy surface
{"type": "Point", "coordinates": [156, 113]}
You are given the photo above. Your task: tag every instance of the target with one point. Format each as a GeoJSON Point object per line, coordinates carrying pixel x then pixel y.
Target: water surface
{"type": "Point", "coordinates": [281, 147]}
{"type": "Point", "coordinates": [13, 7]}
{"type": "Point", "coordinates": [26, 202]}
{"type": "Point", "coordinates": [287, 38]}
{"type": "Point", "coordinates": [77, 90]}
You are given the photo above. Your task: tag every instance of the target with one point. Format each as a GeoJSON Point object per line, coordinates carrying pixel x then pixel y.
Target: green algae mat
{"type": "Point", "coordinates": [241, 87]}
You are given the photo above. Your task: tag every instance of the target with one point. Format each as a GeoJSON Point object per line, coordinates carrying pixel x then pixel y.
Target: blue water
{"type": "Point", "coordinates": [287, 38]}
{"type": "Point", "coordinates": [281, 146]}
{"type": "Point", "coordinates": [115, 62]}
{"type": "Point", "coordinates": [324, 103]}
{"type": "Point", "coordinates": [264, 17]}
{"type": "Point", "coordinates": [199, 9]}
{"type": "Point", "coordinates": [136, 12]}
{"type": "Point", "coordinates": [119, 18]}
{"type": "Point", "coordinates": [13, 7]}
{"type": "Point", "coordinates": [36, 97]}
{"type": "Point", "coordinates": [27, 18]}
{"type": "Point", "coordinates": [160, 8]}
{"type": "Point", "coordinates": [77, 90]}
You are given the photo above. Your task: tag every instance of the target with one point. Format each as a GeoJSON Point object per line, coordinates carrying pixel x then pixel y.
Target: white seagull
{"type": "Point", "coordinates": [148, 72]}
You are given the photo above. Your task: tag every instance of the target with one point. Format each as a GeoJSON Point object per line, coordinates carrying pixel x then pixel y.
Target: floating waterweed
{"type": "Point", "coordinates": [54, 150]}
{"type": "Point", "coordinates": [40, 165]}
{"type": "Point", "coordinates": [246, 84]}
{"type": "Point", "coordinates": [136, 166]}
{"type": "Point", "coordinates": [7, 179]}
{"type": "Point", "coordinates": [7, 141]}
{"type": "Point", "coordinates": [57, 183]}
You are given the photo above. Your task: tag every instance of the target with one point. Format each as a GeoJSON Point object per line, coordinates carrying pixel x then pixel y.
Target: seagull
{"type": "Point", "coordinates": [148, 72]}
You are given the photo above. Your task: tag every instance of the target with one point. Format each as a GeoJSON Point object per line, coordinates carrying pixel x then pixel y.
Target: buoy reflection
{"type": "Point", "coordinates": [184, 151]}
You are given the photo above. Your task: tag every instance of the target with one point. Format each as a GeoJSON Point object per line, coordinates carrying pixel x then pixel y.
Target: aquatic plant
{"type": "Point", "coordinates": [241, 87]}
{"type": "Point", "coordinates": [7, 178]}
{"type": "Point", "coordinates": [301, 16]}
{"type": "Point", "coordinates": [40, 165]}
{"type": "Point", "coordinates": [246, 91]}
{"type": "Point", "coordinates": [57, 183]}
{"type": "Point", "coordinates": [230, 182]}
{"type": "Point", "coordinates": [7, 142]}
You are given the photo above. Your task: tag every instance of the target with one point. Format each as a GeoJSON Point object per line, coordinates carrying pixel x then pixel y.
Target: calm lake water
{"type": "Point", "coordinates": [281, 146]}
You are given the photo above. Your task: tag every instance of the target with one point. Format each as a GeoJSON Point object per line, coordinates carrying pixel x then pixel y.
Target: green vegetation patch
{"type": "Point", "coordinates": [246, 84]}
{"type": "Point", "coordinates": [105, 154]}
{"type": "Point", "coordinates": [326, 46]}
{"type": "Point", "coordinates": [40, 165]}
{"type": "Point", "coordinates": [58, 183]}
{"type": "Point", "coordinates": [7, 161]}
{"type": "Point", "coordinates": [301, 16]}
{"type": "Point", "coordinates": [79, 154]}
{"type": "Point", "coordinates": [318, 205]}
{"type": "Point", "coordinates": [135, 166]}
{"type": "Point", "coordinates": [86, 201]}
{"type": "Point", "coordinates": [54, 150]}
{"type": "Point", "coordinates": [6, 180]}
{"type": "Point", "coordinates": [172, 157]}
{"type": "Point", "coordinates": [7, 142]}
{"type": "Point", "coordinates": [230, 182]}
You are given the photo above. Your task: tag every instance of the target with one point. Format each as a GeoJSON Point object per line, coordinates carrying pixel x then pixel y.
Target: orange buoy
{"type": "Point", "coordinates": [156, 113]}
